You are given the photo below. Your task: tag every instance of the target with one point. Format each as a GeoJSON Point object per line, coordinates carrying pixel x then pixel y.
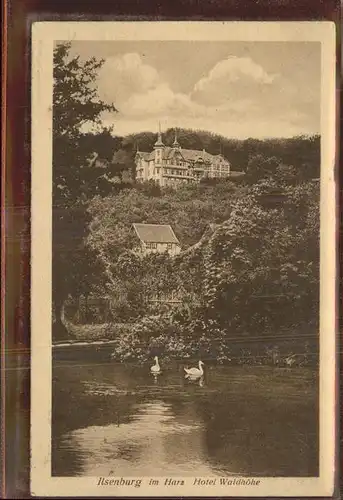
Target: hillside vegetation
{"type": "Point", "coordinates": [255, 271]}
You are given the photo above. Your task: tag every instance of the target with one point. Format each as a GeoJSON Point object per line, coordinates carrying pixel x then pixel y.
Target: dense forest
{"type": "Point", "coordinates": [302, 153]}
{"type": "Point", "coordinates": [250, 245]}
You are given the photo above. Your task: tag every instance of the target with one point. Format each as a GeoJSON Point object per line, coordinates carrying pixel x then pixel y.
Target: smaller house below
{"type": "Point", "coordinates": [157, 238]}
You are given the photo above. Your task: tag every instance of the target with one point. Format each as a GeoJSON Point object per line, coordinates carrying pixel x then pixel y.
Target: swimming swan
{"type": "Point", "coordinates": [155, 369]}
{"type": "Point", "coordinates": [195, 372]}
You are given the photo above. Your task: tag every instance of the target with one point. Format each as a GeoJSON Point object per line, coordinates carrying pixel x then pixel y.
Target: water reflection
{"type": "Point", "coordinates": [153, 442]}
{"type": "Point", "coordinates": [232, 421]}
{"type": "Point", "coordinates": [200, 381]}
{"type": "Point", "coordinates": [155, 377]}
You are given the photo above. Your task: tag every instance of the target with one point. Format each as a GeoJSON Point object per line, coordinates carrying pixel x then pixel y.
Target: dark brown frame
{"type": "Point", "coordinates": [17, 18]}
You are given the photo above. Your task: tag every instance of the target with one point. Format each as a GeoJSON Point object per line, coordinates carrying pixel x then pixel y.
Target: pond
{"type": "Point", "coordinates": [116, 419]}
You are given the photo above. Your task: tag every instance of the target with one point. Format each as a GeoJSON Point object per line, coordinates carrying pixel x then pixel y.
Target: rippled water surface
{"type": "Point", "coordinates": [113, 419]}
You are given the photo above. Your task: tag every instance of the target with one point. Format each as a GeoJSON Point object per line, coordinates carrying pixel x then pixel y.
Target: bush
{"type": "Point", "coordinates": [129, 347]}
{"type": "Point", "coordinates": [171, 339]}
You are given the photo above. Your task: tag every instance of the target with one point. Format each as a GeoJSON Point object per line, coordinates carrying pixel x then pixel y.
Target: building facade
{"type": "Point", "coordinates": [171, 166]}
{"type": "Point", "coordinates": [156, 238]}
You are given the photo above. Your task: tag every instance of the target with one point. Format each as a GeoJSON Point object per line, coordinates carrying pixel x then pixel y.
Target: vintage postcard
{"type": "Point", "coordinates": [183, 259]}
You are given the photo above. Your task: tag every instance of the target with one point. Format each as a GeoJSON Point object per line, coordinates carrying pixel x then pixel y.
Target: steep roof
{"type": "Point", "coordinates": [194, 154]}
{"type": "Point", "coordinates": [155, 233]}
{"type": "Point", "coordinates": [151, 156]}
{"type": "Point", "coordinates": [143, 153]}
{"type": "Point", "coordinates": [159, 141]}
{"type": "Point", "coordinates": [190, 155]}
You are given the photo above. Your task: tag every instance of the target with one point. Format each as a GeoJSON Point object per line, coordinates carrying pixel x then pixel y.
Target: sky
{"type": "Point", "coordinates": [237, 89]}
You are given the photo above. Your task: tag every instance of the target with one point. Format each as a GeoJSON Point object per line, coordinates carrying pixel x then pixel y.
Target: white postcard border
{"type": "Point", "coordinates": [44, 34]}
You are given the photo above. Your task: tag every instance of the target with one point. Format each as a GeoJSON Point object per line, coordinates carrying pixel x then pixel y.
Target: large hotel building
{"type": "Point", "coordinates": [170, 166]}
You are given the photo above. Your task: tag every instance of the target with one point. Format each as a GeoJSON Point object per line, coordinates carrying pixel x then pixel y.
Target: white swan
{"type": "Point", "coordinates": [195, 372]}
{"type": "Point", "coordinates": [155, 369]}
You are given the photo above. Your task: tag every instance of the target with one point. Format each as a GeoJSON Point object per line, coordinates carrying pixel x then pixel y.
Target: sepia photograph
{"type": "Point", "coordinates": [183, 204]}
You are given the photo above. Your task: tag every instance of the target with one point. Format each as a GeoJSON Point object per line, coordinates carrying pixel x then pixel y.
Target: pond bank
{"type": "Point", "coordinates": [279, 351]}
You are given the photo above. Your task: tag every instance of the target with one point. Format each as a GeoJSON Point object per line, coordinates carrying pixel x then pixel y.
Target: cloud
{"type": "Point", "coordinates": [160, 99]}
{"type": "Point", "coordinates": [121, 77]}
{"type": "Point", "coordinates": [233, 69]}
{"type": "Point", "coordinates": [231, 78]}
{"type": "Point", "coordinates": [137, 89]}
{"type": "Point", "coordinates": [163, 101]}
{"type": "Point", "coordinates": [237, 98]}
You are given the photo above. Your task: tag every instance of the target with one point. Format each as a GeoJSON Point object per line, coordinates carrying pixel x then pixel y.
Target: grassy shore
{"type": "Point", "coordinates": [90, 333]}
{"type": "Point", "coordinates": [130, 346]}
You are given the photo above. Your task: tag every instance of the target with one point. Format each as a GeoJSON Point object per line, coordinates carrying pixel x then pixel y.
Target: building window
{"type": "Point", "coordinates": [169, 246]}
{"type": "Point", "coordinates": [151, 245]}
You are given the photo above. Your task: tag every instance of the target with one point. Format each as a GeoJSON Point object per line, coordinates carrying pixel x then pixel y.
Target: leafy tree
{"type": "Point", "coordinates": [261, 267]}
{"type": "Point", "coordinates": [260, 167]}
{"type": "Point", "coordinates": [287, 174]}
{"type": "Point", "coordinates": [135, 279]}
{"type": "Point", "coordinates": [75, 105]}
{"type": "Point", "coordinates": [123, 163]}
